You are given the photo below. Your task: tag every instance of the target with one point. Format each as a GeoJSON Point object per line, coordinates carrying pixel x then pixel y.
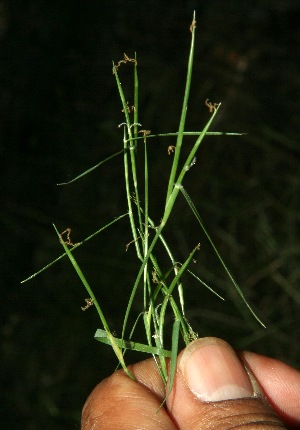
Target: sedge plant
{"type": "Point", "coordinates": [157, 286]}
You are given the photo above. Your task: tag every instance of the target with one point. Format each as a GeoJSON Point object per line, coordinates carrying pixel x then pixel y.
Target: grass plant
{"type": "Point", "coordinates": [162, 290]}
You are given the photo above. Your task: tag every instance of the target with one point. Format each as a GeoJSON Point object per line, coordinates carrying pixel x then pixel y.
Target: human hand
{"type": "Point", "coordinates": [212, 390]}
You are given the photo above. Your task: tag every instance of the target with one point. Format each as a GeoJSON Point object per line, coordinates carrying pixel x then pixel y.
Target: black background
{"type": "Point", "coordinates": [59, 115]}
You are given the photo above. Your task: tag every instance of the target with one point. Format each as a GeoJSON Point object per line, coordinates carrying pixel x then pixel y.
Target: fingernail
{"type": "Point", "coordinates": [213, 371]}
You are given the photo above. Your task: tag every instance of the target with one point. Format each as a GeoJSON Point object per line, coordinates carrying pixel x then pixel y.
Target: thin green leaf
{"type": "Point", "coordinates": [194, 210]}
{"type": "Point", "coordinates": [101, 335]}
{"type": "Point", "coordinates": [188, 133]}
{"type": "Point", "coordinates": [92, 168]}
{"type": "Point", "coordinates": [205, 285]}
{"type": "Point", "coordinates": [74, 247]}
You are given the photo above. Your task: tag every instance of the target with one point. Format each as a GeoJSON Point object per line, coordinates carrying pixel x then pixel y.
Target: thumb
{"type": "Point", "coordinates": [212, 389]}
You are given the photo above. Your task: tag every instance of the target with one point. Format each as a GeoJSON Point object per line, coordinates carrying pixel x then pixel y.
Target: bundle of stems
{"type": "Point", "coordinates": [157, 287]}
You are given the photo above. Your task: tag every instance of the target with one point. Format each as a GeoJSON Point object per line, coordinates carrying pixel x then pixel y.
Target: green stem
{"type": "Point", "coordinates": [183, 116]}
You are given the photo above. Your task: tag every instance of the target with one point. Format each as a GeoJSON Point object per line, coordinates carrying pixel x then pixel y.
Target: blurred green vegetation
{"type": "Point", "coordinates": [59, 116]}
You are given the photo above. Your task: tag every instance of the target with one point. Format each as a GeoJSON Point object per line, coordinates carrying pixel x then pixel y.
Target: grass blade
{"type": "Point", "coordinates": [188, 133]}
{"type": "Point", "coordinates": [92, 168]}
{"type": "Point", "coordinates": [74, 247]}
{"type": "Point", "coordinates": [241, 294]}
{"type": "Point", "coordinates": [205, 285]}
{"type": "Point", "coordinates": [101, 335]}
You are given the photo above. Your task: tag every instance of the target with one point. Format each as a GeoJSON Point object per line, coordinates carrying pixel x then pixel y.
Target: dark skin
{"type": "Point", "coordinates": [269, 398]}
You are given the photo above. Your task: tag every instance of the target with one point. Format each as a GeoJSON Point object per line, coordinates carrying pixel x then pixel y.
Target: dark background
{"type": "Point", "coordinates": [59, 115]}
